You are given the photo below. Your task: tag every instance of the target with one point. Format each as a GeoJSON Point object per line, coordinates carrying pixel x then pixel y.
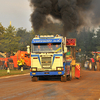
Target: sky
{"type": "Point", "coordinates": [16, 11]}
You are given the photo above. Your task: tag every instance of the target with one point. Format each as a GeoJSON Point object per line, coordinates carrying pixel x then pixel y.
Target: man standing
{"type": "Point", "coordinates": [20, 63]}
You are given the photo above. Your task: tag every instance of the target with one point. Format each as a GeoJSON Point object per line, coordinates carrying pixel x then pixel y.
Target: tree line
{"type": "Point", "coordinates": [87, 39]}
{"type": "Point", "coordinates": [12, 39]}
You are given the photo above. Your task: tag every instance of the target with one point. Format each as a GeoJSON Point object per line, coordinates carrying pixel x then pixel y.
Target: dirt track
{"type": "Point", "coordinates": [21, 88]}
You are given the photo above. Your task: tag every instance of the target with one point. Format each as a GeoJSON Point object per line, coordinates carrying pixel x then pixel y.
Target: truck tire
{"type": "Point", "coordinates": [63, 78]}
{"type": "Point", "coordinates": [34, 79]}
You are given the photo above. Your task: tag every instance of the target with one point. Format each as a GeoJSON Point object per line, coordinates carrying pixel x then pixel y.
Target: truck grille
{"type": "Point", "coordinates": [46, 62]}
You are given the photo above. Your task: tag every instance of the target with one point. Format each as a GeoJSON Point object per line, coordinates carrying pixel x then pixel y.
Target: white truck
{"type": "Point", "coordinates": [47, 57]}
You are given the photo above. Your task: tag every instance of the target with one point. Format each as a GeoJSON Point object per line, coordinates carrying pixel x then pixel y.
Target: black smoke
{"type": "Point", "coordinates": [95, 18]}
{"type": "Point", "coordinates": [72, 13]}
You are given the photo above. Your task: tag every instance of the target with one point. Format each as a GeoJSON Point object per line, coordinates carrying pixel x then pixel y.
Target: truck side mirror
{"type": "Point", "coordinates": [65, 49]}
{"type": "Point", "coordinates": [28, 49]}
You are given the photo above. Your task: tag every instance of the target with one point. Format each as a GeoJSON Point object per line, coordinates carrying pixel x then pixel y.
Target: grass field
{"type": "Point", "coordinates": [13, 72]}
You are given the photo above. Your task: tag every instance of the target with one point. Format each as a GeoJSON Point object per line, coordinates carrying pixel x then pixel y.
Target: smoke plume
{"type": "Point", "coordinates": [73, 13]}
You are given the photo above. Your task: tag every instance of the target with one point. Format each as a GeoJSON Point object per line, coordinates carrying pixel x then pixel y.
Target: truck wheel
{"type": "Point", "coordinates": [34, 79]}
{"type": "Point", "coordinates": [63, 78]}
{"type": "Point", "coordinates": [90, 66]}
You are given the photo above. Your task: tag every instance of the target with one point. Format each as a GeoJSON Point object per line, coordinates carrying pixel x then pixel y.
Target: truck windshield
{"type": "Point", "coordinates": [47, 47]}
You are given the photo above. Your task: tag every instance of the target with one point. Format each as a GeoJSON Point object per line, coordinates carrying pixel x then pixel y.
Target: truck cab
{"type": "Point", "coordinates": [47, 56]}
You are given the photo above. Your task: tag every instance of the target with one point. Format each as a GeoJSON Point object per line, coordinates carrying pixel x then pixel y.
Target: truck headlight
{"type": "Point", "coordinates": [33, 69]}
{"type": "Point", "coordinates": [60, 69]}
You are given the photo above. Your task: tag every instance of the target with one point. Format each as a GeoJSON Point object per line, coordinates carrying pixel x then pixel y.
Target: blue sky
{"type": "Point", "coordinates": [16, 11]}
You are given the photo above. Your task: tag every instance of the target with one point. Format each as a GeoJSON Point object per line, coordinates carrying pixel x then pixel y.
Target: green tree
{"type": "Point", "coordinates": [86, 41]}
{"type": "Point", "coordinates": [2, 31]}
{"type": "Point", "coordinates": [9, 40]}
{"type": "Point", "coordinates": [25, 38]}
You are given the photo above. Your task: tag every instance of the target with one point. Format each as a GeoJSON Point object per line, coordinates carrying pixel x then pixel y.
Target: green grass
{"type": "Point", "coordinates": [13, 72]}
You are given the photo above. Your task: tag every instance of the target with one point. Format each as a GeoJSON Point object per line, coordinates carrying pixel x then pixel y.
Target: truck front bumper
{"type": "Point", "coordinates": [48, 73]}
